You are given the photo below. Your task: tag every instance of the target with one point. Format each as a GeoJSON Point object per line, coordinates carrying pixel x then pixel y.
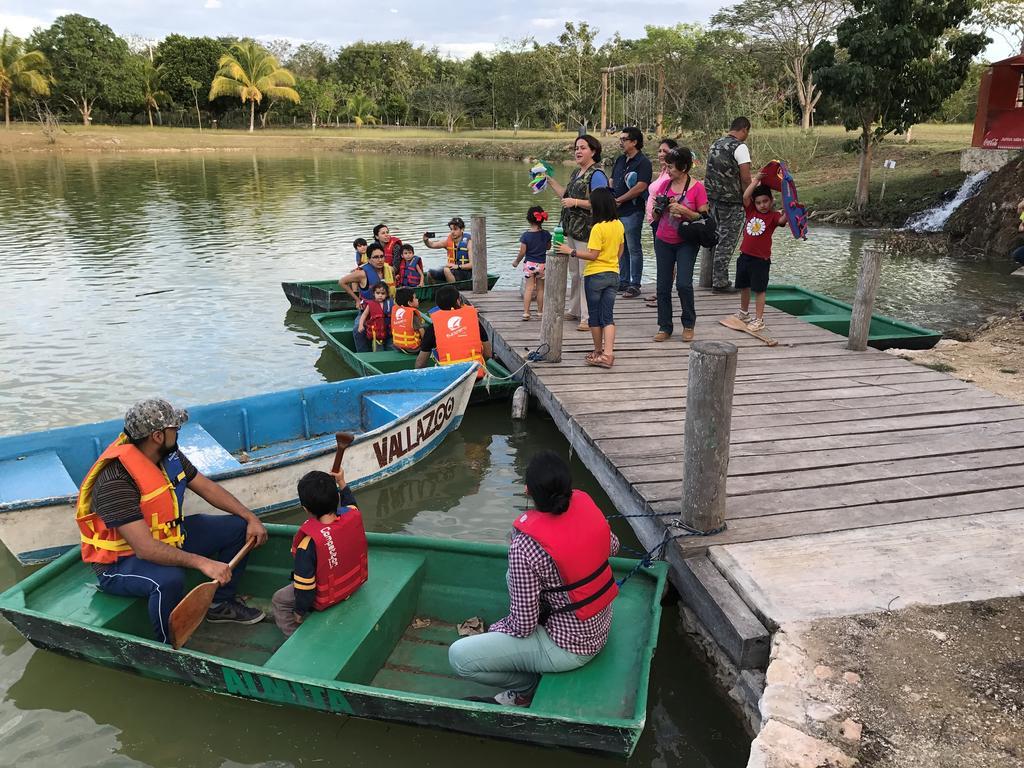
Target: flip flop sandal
{"type": "Point", "coordinates": [604, 361]}
{"type": "Point", "coordinates": [591, 357]}
{"type": "Point", "coordinates": [524, 318]}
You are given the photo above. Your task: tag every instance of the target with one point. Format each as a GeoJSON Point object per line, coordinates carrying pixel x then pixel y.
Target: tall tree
{"type": "Point", "coordinates": [575, 71]}
{"type": "Point", "coordinates": [792, 29]}
{"type": "Point", "coordinates": [310, 60]}
{"type": "Point", "coordinates": [318, 97]}
{"type": "Point", "coordinates": [518, 79]}
{"type": "Point", "coordinates": [91, 65]}
{"type": "Point", "coordinates": [450, 99]}
{"type": "Point", "coordinates": [187, 60]}
{"type": "Point", "coordinates": [21, 70]}
{"type": "Point", "coordinates": [152, 95]}
{"type": "Point", "coordinates": [900, 59]}
{"type": "Point", "coordinates": [1005, 18]}
{"type": "Point", "coordinates": [250, 73]}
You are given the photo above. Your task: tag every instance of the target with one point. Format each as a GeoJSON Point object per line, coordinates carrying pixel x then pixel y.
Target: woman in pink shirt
{"type": "Point", "coordinates": [680, 198]}
{"type": "Point", "coordinates": [665, 146]}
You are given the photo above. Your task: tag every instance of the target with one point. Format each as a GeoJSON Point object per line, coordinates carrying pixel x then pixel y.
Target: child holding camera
{"type": "Point", "coordinates": [534, 244]}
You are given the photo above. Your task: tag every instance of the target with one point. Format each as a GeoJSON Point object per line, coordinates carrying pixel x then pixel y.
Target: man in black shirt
{"type": "Point", "coordinates": [631, 201]}
{"type": "Point", "coordinates": [141, 542]}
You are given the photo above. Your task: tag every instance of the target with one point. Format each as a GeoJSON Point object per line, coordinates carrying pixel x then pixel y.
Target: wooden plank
{"type": "Point", "coordinates": [828, 477]}
{"type": "Point", "coordinates": [934, 486]}
{"type": "Point", "coordinates": [835, 519]}
{"type": "Point", "coordinates": [957, 559]}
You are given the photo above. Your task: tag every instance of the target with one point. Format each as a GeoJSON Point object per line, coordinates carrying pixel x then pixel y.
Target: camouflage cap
{"type": "Point", "coordinates": [148, 416]}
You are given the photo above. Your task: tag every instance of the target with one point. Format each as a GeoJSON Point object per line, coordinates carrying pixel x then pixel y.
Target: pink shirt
{"type": "Point", "coordinates": [695, 198]}
{"type": "Point", "coordinates": [650, 196]}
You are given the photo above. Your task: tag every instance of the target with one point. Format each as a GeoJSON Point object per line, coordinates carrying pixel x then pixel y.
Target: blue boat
{"type": "Point", "coordinates": [256, 447]}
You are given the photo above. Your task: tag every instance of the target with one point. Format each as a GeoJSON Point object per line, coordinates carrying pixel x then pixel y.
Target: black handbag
{"type": "Point", "coordinates": [702, 231]}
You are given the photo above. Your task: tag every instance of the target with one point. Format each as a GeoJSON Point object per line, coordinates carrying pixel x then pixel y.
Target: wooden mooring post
{"type": "Point", "coordinates": [864, 302]}
{"type": "Point", "coordinates": [478, 234]}
{"type": "Point", "coordinates": [706, 273]}
{"type": "Point", "coordinates": [709, 388]}
{"type": "Point", "coordinates": [555, 273]}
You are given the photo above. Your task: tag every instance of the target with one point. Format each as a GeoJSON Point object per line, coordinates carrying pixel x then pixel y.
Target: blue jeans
{"type": "Point", "coordinates": [511, 663]}
{"type": "Point", "coordinates": [363, 344]}
{"type": "Point", "coordinates": [218, 537]}
{"type": "Point", "coordinates": [600, 291]}
{"type": "Point", "coordinates": [682, 257]}
{"type": "Point", "coordinates": [1018, 255]}
{"type": "Point", "coordinates": [631, 262]}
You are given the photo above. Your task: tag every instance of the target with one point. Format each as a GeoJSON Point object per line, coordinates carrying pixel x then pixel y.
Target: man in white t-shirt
{"type": "Point", "coordinates": [728, 174]}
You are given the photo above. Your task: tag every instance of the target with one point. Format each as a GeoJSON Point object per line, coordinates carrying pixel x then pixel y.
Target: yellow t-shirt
{"type": "Point", "coordinates": [606, 237]}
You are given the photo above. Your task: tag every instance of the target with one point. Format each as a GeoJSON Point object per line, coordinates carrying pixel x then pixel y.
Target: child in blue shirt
{"type": "Point", "coordinates": [534, 245]}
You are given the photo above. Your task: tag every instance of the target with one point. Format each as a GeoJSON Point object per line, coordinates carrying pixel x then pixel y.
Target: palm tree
{"type": "Point", "coordinates": [20, 70]}
{"type": "Point", "coordinates": [250, 72]}
{"type": "Point", "coordinates": [152, 96]}
{"type": "Point", "coordinates": [359, 108]}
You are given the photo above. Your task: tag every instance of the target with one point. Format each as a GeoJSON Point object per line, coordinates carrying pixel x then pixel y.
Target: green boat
{"type": "Point", "coordinates": [327, 296]}
{"type": "Point", "coordinates": [834, 315]}
{"type": "Point", "coordinates": [336, 328]}
{"type": "Point", "coordinates": [381, 654]}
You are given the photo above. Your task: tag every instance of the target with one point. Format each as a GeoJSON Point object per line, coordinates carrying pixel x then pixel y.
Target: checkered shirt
{"type": "Point", "coordinates": [531, 569]}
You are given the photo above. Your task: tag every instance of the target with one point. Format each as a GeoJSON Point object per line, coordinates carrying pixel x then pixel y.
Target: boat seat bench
{"type": "Point", "coordinates": [34, 476]}
{"type": "Point", "coordinates": [351, 641]}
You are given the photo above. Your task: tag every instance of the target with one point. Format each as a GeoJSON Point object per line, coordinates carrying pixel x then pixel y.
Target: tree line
{"type": "Point", "coordinates": [762, 61]}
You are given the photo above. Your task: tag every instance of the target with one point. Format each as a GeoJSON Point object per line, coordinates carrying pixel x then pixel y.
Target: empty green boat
{"type": "Point", "coordinates": [834, 315]}
{"type": "Point", "coordinates": [327, 296]}
{"type": "Point", "coordinates": [381, 654]}
{"type": "Point", "coordinates": [336, 328]}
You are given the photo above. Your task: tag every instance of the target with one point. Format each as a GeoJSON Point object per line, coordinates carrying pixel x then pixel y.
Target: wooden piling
{"type": "Point", "coordinates": [478, 233]}
{"type": "Point", "coordinates": [864, 302]}
{"type": "Point", "coordinates": [712, 373]}
{"type": "Point", "coordinates": [706, 273]}
{"type": "Point", "coordinates": [555, 274]}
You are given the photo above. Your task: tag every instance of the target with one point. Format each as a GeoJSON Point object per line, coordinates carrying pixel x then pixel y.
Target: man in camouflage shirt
{"type": "Point", "coordinates": [728, 174]}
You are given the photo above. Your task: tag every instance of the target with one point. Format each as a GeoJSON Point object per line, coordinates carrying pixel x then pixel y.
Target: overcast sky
{"type": "Point", "coordinates": [457, 27]}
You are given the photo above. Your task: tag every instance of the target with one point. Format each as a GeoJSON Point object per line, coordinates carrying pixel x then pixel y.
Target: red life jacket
{"type": "Point", "coordinates": [408, 274]}
{"type": "Point", "coordinates": [376, 326]}
{"type": "Point", "coordinates": [579, 541]}
{"type": "Point", "coordinates": [341, 555]}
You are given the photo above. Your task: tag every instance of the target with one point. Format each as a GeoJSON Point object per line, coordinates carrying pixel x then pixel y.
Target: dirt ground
{"type": "Point", "coordinates": [939, 686]}
{"type": "Point", "coordinates": [993, 358]}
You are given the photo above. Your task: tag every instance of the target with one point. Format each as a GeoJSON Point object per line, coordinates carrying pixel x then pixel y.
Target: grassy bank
{"type": "Point", "coordinates": [826, 172]}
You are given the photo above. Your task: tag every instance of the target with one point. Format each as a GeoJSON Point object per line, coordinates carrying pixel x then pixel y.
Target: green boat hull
{"type": "Point", "coordinates": [327, 296]}
{"type": "Point", "coordinates": [834, 315]}
{"type": "Point", "coordinates": [336, 328]}
{"type": "Point", "coordinates": [381, 654]}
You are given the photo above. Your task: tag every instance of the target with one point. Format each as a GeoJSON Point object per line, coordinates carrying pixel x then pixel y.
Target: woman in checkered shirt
{"type": "Point", "coordinates": [560, 590]}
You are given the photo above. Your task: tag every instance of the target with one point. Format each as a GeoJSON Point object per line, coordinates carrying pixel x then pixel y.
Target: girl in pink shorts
{"type": "Point", "coordinates": [534, 245]}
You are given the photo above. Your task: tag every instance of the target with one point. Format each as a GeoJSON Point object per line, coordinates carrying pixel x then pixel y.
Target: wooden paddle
{"type": "Point", "coordinates": [738, 325]}
{"type": "Point", "coordinates": [190, 612]}
{"type": "Point", "coordinates": [344, 441]}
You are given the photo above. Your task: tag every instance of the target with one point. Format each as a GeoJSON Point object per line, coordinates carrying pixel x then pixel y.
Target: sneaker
{"type": "Point", "coordinates": [236, 612]}
{"type": "Point", "coordinates": [744, 316]}
{"type": "Point", "coordinates": [756, 325]}
{"type": "Point", "coordinates": [512, 699]}
{"type": "Point", "coordinates": [583, 326]}
{"type": "Point", "coordinates": [631, 293]}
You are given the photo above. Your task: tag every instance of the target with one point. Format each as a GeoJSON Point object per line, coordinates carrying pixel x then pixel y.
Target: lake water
{"type": "Point", "coordinates": [129, 277]}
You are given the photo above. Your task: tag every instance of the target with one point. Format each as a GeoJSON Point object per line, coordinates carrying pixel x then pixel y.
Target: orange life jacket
{"type": "Point", "coordinates": [162, 491]}
{"type": "Point", "coordinates": [403, 330]}
{"type": "Point", "coordinates": [341, 556]}
{"type": "Point", "coordinates": [579, 541]}
{"type": "Point", "coordinates": [457, 332]}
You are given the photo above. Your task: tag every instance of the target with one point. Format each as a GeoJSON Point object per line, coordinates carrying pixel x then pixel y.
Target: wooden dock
{"type": "Point", "coordinates": [857, 481]}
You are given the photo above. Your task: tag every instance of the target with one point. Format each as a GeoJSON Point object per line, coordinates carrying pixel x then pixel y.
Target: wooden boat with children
{"type": "Point", "coordinates": [380, 654]}
{"type": "Point", "coordinates": [336, 328]}
{"type": "Point", "coordinates": [327, 296]}
{"type": "Point", "coordinates": [834, 315]}
{"type": "Point", "coordinates": [255, 447]}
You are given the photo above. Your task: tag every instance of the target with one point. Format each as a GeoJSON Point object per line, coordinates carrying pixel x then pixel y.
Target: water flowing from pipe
{"type": "Point", "coordinates": [934, 219]}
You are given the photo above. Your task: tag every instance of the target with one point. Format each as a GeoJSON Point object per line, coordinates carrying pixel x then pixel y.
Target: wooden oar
{"type": "Point", "coordinates": [344, 441]}
{"type": "Point", "coordinates": [190, 612]}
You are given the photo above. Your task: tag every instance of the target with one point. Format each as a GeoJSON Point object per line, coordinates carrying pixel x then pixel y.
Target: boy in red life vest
{"type": "Point", "coordinates": [376, 316]}
{"type": "Point", "coordinates": [755, 258]}
{"type": "Point", "coordinates": [329, 550]}
{"type": "Point", "coordinates": [406, 322]}
{"type": "Point", "coordinates": [409, 271]}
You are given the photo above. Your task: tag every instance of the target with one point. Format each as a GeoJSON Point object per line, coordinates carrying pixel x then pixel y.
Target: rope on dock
{"type": "Point", "coordinates": [657, 551]}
